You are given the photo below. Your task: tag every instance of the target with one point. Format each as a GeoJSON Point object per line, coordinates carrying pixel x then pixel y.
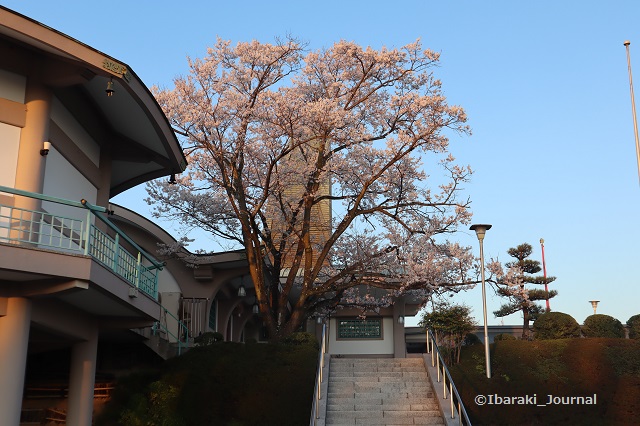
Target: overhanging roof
{"type": "Point", "coordinates": [130, 124]}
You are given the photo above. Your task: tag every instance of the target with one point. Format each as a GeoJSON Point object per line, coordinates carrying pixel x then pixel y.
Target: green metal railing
{"type": "Point", "coordinates": [79, 235]}
{"type": "Point", "coordinates": [163, 325]}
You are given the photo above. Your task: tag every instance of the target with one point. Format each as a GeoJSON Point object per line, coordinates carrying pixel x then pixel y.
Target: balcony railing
{"type": "Point", "coordinates": [77, 233]}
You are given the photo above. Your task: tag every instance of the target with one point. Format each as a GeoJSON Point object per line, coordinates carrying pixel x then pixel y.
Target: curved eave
{"type": "Point", "coordinates": [130, 125]}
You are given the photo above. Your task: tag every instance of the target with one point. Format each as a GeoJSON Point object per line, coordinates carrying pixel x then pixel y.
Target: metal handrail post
{"type": "Point", "coordinates": [87, 234]}
{"type": "Point", "coordinates": [116, 252]}
{"type": "Point", "coordinates": [317, 394]}
{"type": "Point", "coordinates": [444, 384]}
{"type": "Point", "coordinates": [453, 416]}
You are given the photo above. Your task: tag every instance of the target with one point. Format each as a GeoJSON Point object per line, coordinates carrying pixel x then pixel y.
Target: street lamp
{"type": "Point", "coordinates": [594, 305]}
{"type": "Point", "coordinates": [480, 231]}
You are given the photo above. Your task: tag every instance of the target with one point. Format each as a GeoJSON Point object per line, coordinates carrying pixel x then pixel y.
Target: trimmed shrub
{"type": "Point", "coordinates": [301, 338]}
{"type": "Point", "coordinates": [555, 325]}
{"type": "Point", "coordinates": [634, 327]}
{"type": "Point", "coordinates": [208, 338]}
{"type": "Point", "coordinates": [504, 336]}
{"type": "Point", "coordinates": [471, 339]}
{"type": "Point", "coordinates": [600, 325]}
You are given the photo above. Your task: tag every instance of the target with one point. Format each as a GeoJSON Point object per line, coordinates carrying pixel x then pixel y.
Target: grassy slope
{"type": "Point", "coordinates": [221, 384]}
{"type": "Point", "coordinates": [609, 368]}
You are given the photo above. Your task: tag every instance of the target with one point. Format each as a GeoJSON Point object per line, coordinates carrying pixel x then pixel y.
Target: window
{"type": "Point", "coordinates": [360, 328]}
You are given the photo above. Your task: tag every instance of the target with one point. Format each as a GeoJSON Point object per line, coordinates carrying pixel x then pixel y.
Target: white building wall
{"type": "Point", "coordinates": [12, 86]}
{"type": "Point", "coordinates": [62, 180]}
{"type": "Point", "coordinates": [63, 118]}
{"type": "Point", "coordinates": [171, 302]}
{"type": "Point", "coordinates": [382, 346]}
{"type": "Point", "coordinates": [9, 144]}
{"type": "Point", "coordinates": [167, 283]}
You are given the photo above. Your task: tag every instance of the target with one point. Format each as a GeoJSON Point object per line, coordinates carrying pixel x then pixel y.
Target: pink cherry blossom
{"type": "Point", "coordinates": [332, 168]}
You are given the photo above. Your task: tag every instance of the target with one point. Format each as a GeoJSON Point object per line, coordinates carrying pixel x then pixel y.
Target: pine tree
{"type": "Point", "coordinates": [520, 297]}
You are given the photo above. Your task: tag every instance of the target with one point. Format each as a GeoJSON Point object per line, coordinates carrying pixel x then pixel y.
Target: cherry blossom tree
{"type": "Point", "coordinates": [331, 168]}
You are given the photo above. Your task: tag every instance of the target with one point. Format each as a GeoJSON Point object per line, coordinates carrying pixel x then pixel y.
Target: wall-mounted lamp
{"type": "Point", "coordinates": [110, 89]}
{"type": "Point", "coordinates": [46, 146]}
{"type": "Point", "coordinates": [400, 319]}
{"type": "Point", "coordinates": [319, 320]}
{"type": "Point", "coordinates": [172, 179]}
{"type": "Point", "coordinates": [241, 291]}
{"type": "Point", "coordinates": [255, 309]}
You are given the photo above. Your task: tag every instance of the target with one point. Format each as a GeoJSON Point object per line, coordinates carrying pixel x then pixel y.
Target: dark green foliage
{"type": "Point", "coordinates": [208, 338]}
{"type": "Point", "coordinates": [129, 397]}
{"type": "Point", "coordinates": [504, 336]}
{"type": "Point", "coordinates": [625, 358]}
{"type": "Point", "coordinates": [302, 338]}
{"type": "Point", "coordinates": [555, 325]}
{"type": "Point", "coordinates": [221, 384]}
{"type": "Point", "coordinates": [609, 368]}
{"type": "Point", "coordinates": [450, 324]}
{"type": "Point", "coordinates": [634, 327]}
{"type": "Point", "coordinates": [600, 325]}
{"type": "Point", "coordinates": [471, 339]}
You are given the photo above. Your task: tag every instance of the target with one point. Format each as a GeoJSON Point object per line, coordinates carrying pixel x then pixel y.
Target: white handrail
{"type": "Point", "coordinates": [437, 360]}
{"type": "Point", "coordinates": [317, 392]}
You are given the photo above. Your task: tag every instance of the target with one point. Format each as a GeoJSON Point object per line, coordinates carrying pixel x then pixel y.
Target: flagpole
{"type": "Point", "coordinates": [544, 269]}
{"type": "Point", "coordinates": [633, 108]}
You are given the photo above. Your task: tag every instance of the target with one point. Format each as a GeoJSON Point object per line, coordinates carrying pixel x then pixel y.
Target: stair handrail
{"type": "Point", "coordinates": [437, 360]}
{"type": "Point", "coordinates": [317, 392]}
{"type": "Point", "coordinates": [183, 330]}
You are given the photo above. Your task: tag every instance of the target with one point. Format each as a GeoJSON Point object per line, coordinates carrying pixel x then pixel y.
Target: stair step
{"type": "Point", "coordinates": [380, 392]}
{"type": "Point", "coordinates": [385, 406]}
{"type": "Point", "coordinates": [388, 396]}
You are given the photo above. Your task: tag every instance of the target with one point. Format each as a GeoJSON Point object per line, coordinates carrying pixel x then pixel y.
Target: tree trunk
{"type": "Point", "coordinates": [525, 325]}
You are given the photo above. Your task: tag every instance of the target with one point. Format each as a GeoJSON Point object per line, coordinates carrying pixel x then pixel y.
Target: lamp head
{"type": "Point", "coordinates": [480, 229]}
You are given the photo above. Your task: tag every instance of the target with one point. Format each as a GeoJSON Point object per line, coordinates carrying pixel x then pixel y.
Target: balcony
{"type": "Point", "coordinates": [75, 231]}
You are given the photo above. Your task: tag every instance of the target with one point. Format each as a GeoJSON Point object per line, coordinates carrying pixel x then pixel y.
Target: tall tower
{"type": "Point", "coordinates": [293, 179]}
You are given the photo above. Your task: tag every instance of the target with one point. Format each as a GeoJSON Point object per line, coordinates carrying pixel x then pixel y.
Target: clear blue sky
{"type": "Point", "coordinates": [544, 83]}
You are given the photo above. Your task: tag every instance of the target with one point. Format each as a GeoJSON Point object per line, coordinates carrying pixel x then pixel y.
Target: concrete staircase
{"type": "Point", "coordinates": [380, 391]}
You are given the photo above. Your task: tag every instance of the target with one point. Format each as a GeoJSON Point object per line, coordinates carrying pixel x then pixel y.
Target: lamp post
{"type": "Point", "coordinates": [480, 231]}
{"type": "Point", "coordinates": [594, 305]}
